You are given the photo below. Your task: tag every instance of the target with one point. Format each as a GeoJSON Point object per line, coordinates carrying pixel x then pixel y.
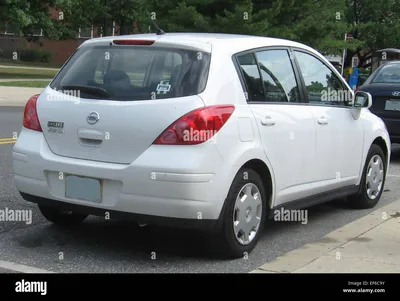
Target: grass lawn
{"type": "Point", "coordinates": [9, 72]}
{"type": "Point", "coordinates": [26, 84]}
{"type": "Point", "coordinates": [9, 62]}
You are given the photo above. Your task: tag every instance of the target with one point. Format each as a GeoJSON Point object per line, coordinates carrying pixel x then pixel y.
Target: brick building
{"type": "Point", "coordinates": [61, 50]}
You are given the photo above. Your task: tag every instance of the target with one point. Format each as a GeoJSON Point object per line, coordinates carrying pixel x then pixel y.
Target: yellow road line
{"type": "Point", "coordinates": [7, 140]}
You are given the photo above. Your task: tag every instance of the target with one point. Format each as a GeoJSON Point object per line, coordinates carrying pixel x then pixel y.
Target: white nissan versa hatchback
{"type": "Point", "coordinates": [204, 131]}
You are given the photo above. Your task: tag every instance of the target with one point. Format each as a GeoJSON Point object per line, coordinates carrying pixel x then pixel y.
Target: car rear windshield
{"type": "Point", "coordinates": [388, 74]}
{"type": "Point", "coordinates": [128, 73]}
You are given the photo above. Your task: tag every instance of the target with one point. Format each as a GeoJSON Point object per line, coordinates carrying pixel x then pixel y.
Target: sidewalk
{"type": "Point", "coordinates": [16, 96]}
{"type": "Point", "coordinates": [11, 267]}
{"type": "Point", "coordinates": [368, 245]}
{"type": "Point", "coordinates": [27, 67]}
{"type": "Point", "coordinates": [5, 271]}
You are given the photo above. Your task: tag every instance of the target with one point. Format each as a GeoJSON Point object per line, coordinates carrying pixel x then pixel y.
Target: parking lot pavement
{"type": "Point", "coordinates": [109, 246]}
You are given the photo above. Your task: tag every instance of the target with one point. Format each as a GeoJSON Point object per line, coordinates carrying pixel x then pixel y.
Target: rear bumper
{"type": "Point", "coordinates": [162, 183]}
{"type": "Point", "coordinates": [194, 224]}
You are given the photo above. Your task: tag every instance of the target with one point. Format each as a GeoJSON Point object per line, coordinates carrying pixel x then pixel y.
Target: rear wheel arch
{"type": "Point", "coordinates": [263, 170]}
{"type": "Point", "coordinates": [265, 174]}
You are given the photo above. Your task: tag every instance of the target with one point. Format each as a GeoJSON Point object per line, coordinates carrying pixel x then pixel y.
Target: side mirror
{"type": "Point", "coordinates": [362, 99]}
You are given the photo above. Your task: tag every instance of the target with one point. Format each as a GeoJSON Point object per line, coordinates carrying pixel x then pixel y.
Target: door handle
{"type": "Point", "coordinates": [90, 137]}
{"type": "Point", "coordinates": [268, 121]}
{"type": "Point", "coordinates": [322, 120]}
{"type": "Point", "coordinates": [91, 134]}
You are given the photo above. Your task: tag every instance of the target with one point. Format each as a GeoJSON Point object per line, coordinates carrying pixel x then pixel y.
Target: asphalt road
{"type": "Point", "coordinates": [99, 245]}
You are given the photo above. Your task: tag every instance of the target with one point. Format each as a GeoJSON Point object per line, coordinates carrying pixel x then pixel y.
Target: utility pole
{"type": "Point", "coordinates": [344, 55]}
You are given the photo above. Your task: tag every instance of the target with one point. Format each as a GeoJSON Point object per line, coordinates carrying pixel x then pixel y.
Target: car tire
{"type": "Point", "coordinates": [227, 241]}
{"type": "Point", "coordinates": [365, 199]}
{"type": "Point", "coordinates": [61, 218]}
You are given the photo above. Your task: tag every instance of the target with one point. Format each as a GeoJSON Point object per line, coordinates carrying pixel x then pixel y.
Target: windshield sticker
{"type": "Point", "coordinates": [163, 87]}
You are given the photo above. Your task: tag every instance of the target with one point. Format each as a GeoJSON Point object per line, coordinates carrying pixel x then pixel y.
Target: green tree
{"type": "Point", "coordinates": [320, 24]}
{"type": "Point", "coordinates": [124, 13]}
{"type": "Point", "coordinates": [374, 24]}
{"type": "Point", "coordinates": [313, 22]}
{"type": "Point", "coordinates": [101, 13]}
{"type": "Point", "coordinates": [29, 17]}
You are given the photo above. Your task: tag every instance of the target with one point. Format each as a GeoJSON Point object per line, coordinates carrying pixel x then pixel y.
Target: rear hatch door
{"type": "Point", "coordinates": [112, 100]}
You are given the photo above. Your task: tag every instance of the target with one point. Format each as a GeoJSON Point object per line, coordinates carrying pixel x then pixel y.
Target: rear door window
{"type": "Point", "coordinates": [278, 76]}
{"type": "Point", "coordinates": [252, 77]}
{"type": "Point", "coordinates": [134, 73]}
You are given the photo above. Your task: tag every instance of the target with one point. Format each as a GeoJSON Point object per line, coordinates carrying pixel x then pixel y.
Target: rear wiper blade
{"type": "Point", "coordinates": [89, 89]}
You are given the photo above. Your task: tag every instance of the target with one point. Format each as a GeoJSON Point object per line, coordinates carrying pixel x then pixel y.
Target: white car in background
{"type": "Point", "coordinates": [204, 131]}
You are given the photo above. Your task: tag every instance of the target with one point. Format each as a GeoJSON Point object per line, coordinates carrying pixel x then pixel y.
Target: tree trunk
{"type": "Point", "coordinates": [122, 29]}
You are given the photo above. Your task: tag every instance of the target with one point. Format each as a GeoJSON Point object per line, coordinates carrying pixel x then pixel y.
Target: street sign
{"type": "Point", "coordinates": [354, 62]}
{"type": "Point", "coordinates": [353, 79]}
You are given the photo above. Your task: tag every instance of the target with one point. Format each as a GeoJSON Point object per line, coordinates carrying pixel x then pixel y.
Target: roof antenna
{"type": "Point", "coordinates": [159, 30]}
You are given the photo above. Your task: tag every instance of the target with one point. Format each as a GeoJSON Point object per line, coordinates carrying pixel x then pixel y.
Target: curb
{"type": "Point", "coordinates": [295, 259]}
{"type": "Point", "coordinates": [20, 268]}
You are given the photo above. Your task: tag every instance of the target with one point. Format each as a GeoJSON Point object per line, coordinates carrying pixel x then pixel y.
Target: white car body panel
{"type": "Point", "coordinates": [340, 135]}
{"type": "Point", "coordinates": [118, 121]}
{"type": "Point", "coordinates": [289, 144]}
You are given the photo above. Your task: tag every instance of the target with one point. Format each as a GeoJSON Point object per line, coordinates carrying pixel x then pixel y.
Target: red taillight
{"type": "Point", "coordinates": [31, 119]}
{"type": "Point", "coordinates": [196, 126]}
{"type": "Point", "coordinates": [133, 42]}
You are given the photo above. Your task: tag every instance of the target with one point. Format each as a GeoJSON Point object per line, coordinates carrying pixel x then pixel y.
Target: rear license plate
{"type": "Point", "coordinates": [392, 105]}
{"type": "Point", "coordinates": [82, 188]}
